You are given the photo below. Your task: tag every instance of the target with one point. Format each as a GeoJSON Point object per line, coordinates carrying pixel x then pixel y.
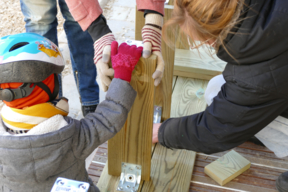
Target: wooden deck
{"type": "Point", "coordinates": [265, 166]}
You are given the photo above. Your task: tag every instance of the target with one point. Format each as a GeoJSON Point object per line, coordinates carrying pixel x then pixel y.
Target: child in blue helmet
{"type": "Point", "coordinates": [38, 141]}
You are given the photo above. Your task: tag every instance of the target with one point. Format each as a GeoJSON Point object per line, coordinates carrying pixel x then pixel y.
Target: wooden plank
{"type": "Point", "coordinates": [197, 64]}
{"type": "Point", "coordinates": [258, 177]}
{"type": "Point", "coordinates": [171, 170]}
{"type": "Point", "coordinates": [107, 182]}
{"type": "Point", "coordinates": [139, 23]}
{"type": "Point", "coordinates": [227, 167]}
{"type": "Point", "coordinates": [188, 97]}
{"type": "Point", "coordinates": [138, 138]}
{"type": "Point", "coordinates": [193, 75]}
{"type": "Point", "coordinates": [116, 150]}
{"type": "Point", "coordinates": [164, 89]}
{"type": "Point", "coordinates": [233, 186]}
{"type": "Point", "coordinates": [133, 143]}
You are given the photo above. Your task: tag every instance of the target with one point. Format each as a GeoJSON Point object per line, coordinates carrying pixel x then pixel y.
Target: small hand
{"type": "Point", "coordinates": [156, 127]}
{"type": "Point", "coordinates": [151, 35]}
{"type": "Point", "coordinates": [124, 59]}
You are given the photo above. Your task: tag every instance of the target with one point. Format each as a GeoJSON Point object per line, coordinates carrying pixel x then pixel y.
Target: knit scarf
{"type": "Point", "coordinates": [19, 120]}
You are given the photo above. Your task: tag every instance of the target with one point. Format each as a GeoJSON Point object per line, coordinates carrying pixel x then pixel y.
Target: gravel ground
{"type": "Point", "coordinates": [12, 19]}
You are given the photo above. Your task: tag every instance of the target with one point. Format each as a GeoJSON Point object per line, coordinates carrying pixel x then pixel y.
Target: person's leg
{"type": "Point", "coordinates": [40, 18]}
{"type": "Point", "coordinates": [82, 53]}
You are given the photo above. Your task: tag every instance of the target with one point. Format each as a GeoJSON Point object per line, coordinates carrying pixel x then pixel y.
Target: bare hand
{"type": "Point", "coordinates": [156, 127]}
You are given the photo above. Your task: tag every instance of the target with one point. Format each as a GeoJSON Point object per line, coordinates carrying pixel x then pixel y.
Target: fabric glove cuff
{"type": "Point", "coordinates": [99, 28]}
{"type": "Point", "coordinates": [123, 73]}
{"type": "Point", "coordinates": [155, 19]}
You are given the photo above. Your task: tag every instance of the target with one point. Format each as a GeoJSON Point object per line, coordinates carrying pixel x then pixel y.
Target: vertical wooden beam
{"type": "Point", "coordinates": [134, 142]}
{"type": "Point", "coordinates": [164, 89]}
{"type": "Point", "coordinates": [172, 169]}
{"type": "Point", "coordinates": [116, 152]}
{"type": "Point", "coordinates": [138, 141]}
{"type": "Point", "coordinates": [139, 23]}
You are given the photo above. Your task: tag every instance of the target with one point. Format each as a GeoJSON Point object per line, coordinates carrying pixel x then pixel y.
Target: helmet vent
{"type": "Point", "coordinates": [17, 46]}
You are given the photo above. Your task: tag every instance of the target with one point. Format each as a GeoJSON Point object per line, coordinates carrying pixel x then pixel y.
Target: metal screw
{"type": "Point", "coordinates": [83, 186]}
{"type": "Point", "coordinates": [128, 186]}
{"type": "Point", "coordinates": [137, 167]}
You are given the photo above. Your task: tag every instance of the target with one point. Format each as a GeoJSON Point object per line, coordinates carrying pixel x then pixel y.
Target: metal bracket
{"type": "Point", "coordinates": [157, 114]}
{"type": "Point", "coordinates": [130, 177]}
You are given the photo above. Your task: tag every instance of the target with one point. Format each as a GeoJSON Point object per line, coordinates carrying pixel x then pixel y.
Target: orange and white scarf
{"type": "Point", "coordinates": [29, 117]}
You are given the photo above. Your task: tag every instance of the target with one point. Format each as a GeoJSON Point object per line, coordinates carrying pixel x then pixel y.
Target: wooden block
{"type": "Point", "coordinates": [227, 167]}
{"type": "Point", "coordinates": [197, 64]}
{"type": "Point", "coordinates": [133, 143]}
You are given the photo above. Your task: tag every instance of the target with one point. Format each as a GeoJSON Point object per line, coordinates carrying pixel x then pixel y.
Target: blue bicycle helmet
{"type": "Point", "coordinates": [28, 58]}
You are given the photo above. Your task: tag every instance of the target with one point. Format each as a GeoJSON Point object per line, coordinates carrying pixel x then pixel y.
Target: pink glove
{"type": "Point", "coordinates": [124, 59]}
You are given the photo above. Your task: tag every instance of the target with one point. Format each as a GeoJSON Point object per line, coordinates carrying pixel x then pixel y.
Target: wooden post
{"type": "Point", "coordinates": [134, 142]}
{"type": "Point", "coordinates": [164, 89]}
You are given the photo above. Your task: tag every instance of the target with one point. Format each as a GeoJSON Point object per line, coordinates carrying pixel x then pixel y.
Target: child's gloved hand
{"type": "Point", "coordinates": [124, 59]}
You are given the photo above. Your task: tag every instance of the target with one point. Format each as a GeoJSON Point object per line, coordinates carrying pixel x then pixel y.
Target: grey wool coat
{"type": "Point", "coordinates": [33, 163]}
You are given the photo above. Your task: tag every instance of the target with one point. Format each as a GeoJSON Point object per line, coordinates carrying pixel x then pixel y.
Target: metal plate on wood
{"type": "Point", "coordinates": [130, 177]}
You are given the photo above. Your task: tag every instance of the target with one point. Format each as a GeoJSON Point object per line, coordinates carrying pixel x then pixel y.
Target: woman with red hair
{"type": "Point", "coordinates": [251, 36]}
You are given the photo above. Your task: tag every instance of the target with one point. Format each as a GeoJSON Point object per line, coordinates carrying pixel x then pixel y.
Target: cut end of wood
{"type": "Point", "coordinates": [226, 168]}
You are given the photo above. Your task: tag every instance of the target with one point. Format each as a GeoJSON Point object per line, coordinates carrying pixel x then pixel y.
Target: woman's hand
{"type": "Point", "coordinates": [151, 35]}
{"type": "Point", "coordinates": [156, 127]}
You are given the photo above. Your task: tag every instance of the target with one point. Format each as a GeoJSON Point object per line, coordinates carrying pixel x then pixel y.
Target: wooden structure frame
{"type": "Point", "coordinates": [130, 147]}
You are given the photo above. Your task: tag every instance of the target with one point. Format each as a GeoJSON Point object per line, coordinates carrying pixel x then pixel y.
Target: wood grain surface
{"type": "Point", "coordinates": [138, 131]}
{"type": "Point", "coordinates": [188, 97]}
{"type": "Point", "coordinates": [227, 167]}
{"type": "Point", "coordinates": [171, 170]}
{"type": "Point", "coordinates": [265, 169]}
{"type": "Point", "coordinates": [197, 62]}
{"type": "Point", "coordinates": [133, 143]}
{"type": "Point", "coordinates": [164, 89]}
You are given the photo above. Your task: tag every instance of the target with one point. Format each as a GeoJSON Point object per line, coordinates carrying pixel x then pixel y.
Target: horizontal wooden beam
{"type": "Point", "coordinates": [199, 64]}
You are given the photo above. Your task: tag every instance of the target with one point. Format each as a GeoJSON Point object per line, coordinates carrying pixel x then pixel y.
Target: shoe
{"type": "Point", "coordinates": [282, 182]}
{"type": "Point", "coordinates": [88, 109]}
